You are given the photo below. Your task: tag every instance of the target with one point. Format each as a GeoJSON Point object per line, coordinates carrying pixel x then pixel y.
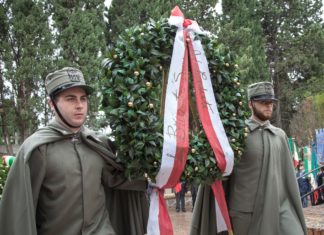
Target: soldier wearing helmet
{"type": "Point", "coordinates": [66, 179]}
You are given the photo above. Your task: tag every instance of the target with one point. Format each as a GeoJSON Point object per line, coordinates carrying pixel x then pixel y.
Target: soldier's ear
{"type": "Point", "coordinates": [50, 104]}
{"type": "Point", "coordinates": [250, 104]}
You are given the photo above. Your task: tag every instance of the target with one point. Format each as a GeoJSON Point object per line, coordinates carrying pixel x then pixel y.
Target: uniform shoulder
{"type": "Point", "coordinates": [100, 138]}
{"type": "Point", "coordinates": [277, 130]}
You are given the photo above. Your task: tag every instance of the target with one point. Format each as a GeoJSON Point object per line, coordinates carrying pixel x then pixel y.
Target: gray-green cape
{"type": "Point", "coordinates": [277, 206]}
{"type": "Point", "coordinates": [129, 209]}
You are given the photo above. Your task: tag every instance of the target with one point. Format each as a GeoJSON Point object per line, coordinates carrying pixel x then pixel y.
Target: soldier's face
{"type": "Point", "coordinates": [73, 105]}
{"type": "Point", "coordinates": [261, 110]}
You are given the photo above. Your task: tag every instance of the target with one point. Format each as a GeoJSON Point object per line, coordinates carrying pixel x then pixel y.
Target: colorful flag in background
{"type": "Point", "coordinates": [307, 159]}
{"type": "Point", "coordinates": [294, 151]}
{"type": "Point", "coordinates": [320, 145]}
{"type": "Point", "coordinates": [314, 160]}
{"type": "Point", "coordinates": [8, 160]}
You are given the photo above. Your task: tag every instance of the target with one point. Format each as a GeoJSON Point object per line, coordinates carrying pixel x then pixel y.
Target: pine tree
{"type": "Point", "coordinates": [124, 14]}
{"type": "Point", "coordinates": [26, 51]}
{"type": "Point", "coordinates": [278, 41]}
{"type": "Point", "coordinates": [242, 32]}
{"type": "Point", "coordinates": [202, 11]}
{"type": "Point", "coordinates": [286, 25]}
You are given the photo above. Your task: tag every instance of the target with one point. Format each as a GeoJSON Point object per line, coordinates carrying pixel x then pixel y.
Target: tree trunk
{"type": "Point", "coordinates": [6, 135]}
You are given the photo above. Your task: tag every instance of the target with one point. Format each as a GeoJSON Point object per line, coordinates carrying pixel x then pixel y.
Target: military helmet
{"type": "Point", "coordinates": [65, 78]}
{"type": "Point", "coordinates": [261, 91]}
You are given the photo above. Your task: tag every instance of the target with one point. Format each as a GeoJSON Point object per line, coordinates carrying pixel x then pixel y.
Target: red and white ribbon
{"type": "Point", "coordinates": [176, 125]}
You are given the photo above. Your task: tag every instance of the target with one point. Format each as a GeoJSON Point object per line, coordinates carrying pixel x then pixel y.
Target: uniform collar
{"type": "Point", "coordinates": [59, 127]}
{"type": "Point", "coordinates": [254, 125]}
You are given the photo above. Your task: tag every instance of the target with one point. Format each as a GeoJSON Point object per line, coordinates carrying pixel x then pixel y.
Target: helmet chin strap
{"type": "Point", "coordinates": [60, 115]}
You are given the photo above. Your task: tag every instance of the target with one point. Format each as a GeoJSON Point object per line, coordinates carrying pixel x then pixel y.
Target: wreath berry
{"type": "Point", "coordinates": [136, 72]}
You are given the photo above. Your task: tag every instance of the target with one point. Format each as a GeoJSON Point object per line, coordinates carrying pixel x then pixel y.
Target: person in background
{"type": "Point", "coordinates": [180, 191]}
{"type": "Point", "coordinates": [303, 184]}
{"type": "Point", "coordinates": [263, 195]}
{"type": "Point", "coordinates": [320, 182]}
{"type": "Point", "coordinates": [65, 178]}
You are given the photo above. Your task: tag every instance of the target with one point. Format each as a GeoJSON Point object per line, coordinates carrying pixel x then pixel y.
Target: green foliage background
{"type": "Point", "coordinates": [280, 41]}
{"type": "Point", "coordinates": [135, 71]}
{"type": "Point", "coordinates": [3, 176]}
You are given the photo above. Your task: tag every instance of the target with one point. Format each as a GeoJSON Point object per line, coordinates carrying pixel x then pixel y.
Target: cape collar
{"type": "Point", "coordinates": [63, 130]}
{"type": "Point", "coordinates": [84, 132]}
{"type": "Point", "coordinates": [254, 125]}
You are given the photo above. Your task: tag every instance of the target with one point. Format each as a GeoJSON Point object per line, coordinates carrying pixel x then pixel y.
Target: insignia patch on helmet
{"type": "Point", "coordinates": [74, 75]}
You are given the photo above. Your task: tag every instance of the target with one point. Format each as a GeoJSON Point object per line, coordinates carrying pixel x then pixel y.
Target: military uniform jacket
{"type": "Point", "coordinates": [263, 183]}
{"type": "Point", "coordinates": [65, 183]}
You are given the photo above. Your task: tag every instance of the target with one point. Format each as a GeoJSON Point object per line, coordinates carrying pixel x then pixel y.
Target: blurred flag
{"type": "Point", "coordinates": [320, 145]}
{"type": "Point", "coordinates": [293, 151]}
{"type": "Point", "coordinates": [8, 160]}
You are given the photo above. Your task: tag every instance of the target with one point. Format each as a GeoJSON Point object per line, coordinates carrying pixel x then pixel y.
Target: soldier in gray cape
{"type": "Point", "coordinates": [263, 196]}
{"type": "Point", "coordinates": [65, 179]}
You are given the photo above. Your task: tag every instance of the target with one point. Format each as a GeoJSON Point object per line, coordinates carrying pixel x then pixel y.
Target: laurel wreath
{"type": "Point", "coordinates": [136, 72]}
